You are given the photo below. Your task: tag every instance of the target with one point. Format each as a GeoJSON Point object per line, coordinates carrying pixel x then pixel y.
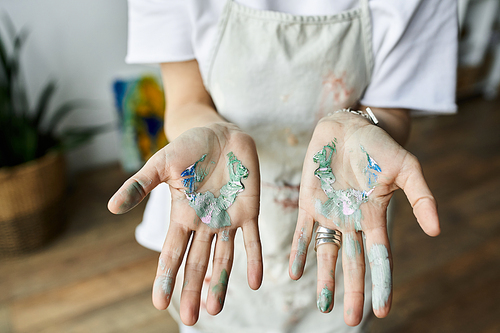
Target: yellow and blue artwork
{"type": "Point", "coordinates": [140, 103]}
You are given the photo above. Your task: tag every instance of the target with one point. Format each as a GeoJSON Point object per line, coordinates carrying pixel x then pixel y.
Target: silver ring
{"type": "Point", "coordinates": [325, 235]}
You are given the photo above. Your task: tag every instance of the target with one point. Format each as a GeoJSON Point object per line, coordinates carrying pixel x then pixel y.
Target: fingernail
{"type": "Point", "coordinates": [324, 300]}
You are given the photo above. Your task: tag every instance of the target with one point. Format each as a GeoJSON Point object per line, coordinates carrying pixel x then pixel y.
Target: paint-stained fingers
{"type": "Point", "coordinates": [253, 249]}
{"type": "Point", "coordinates": [380, 259]}
{"type": "Point", "coordinates": [301, 240]}
{"type": "Point", "coordinates": [327, 255]}
{"type": "Point", "coordinates": [170, 259]}
{"type": "Point", "coordinates": [412, 181]}
{"type": "Point", "coordinates": [131, 193]}
{"type": "Point", "coordinates": [194, 274]}
{"type": "Point", "coordinates": [353, 264]}
{"type": "Point", "coordinates": [222, 264]}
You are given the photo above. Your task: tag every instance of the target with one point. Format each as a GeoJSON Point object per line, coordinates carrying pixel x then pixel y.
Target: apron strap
{"type": "Point", "coordinates": [367, 35]}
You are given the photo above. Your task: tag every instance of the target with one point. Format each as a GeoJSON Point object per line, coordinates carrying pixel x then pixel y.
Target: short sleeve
{"type": "Point", "coordinates": [415, 55]}
{"type": "Point", "coordinates": [158, 31]}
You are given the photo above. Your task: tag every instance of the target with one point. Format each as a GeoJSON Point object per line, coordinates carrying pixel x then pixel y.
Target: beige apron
{"type": "Point", "coordinates": [275, 75]}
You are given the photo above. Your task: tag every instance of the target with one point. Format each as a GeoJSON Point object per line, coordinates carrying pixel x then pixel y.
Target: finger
{"type": "Point", "coordinates": [327, 260]}
{"type": "Point", "coordinates": [253, 249]}
{"type": "Point", "coordinates": [301, 240]}
{"type": "Point", "coordinates": [353, 264]}
{"type": "Point", "coordinates": [222, 264]}
{"type": "Point", "coordinates": [412, 181]}
{"type": "Point", "coordinates": [171, 257]}
{"type": "Point", "coordinates": [139, 185]}
{"type": "Point", "coordinates": [380, 259]}
{"type": "Point", "coordinates": [196, 267]}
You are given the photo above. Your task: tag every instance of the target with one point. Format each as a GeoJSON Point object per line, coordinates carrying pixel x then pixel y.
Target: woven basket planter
{"type": "Point", "coordinates": [31, 207]}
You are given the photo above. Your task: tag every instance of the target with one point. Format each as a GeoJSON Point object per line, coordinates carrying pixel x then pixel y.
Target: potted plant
{"type": "Point", "coordinates": [32, 168]}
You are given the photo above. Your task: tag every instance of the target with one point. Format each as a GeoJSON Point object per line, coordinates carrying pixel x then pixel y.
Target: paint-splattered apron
{"type": "Point", "coordinates": [275, 75]}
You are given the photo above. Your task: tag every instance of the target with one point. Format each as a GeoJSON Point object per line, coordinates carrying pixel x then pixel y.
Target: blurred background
{"type": "Point", "coordinates": [87, 273]}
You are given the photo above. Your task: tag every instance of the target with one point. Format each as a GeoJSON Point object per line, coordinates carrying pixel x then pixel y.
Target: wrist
{"type": "Point", "coordinates": [367, 114]}
{"type": "Point", "coordinates": [342, 116]}
{"type": "Point", "coordinates": [396, 122]}
{"type": "Point", "coordinates": [179, 120]}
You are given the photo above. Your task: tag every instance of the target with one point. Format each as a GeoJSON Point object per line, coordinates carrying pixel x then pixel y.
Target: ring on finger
{"type": "Point", "coordinates": [325, 235]}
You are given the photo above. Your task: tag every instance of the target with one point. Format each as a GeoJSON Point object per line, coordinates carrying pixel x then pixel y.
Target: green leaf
{"type": "Point", "coordinates": [5, 71]}
{"type": "Point", "coordinates": [62, 112]}
{"type": "Point", "coordinates": [9, 24]}
{"type": "Point", "coordinates": [18, 92]}
{"type": "Point", "coordinates": [43, 102]}
{"type": "Point", "coordinates": [75, 137]}
{"type": "Point", "coordinates": [19, 40]}
{"type": "Point", "coordinates": [20, 144]}
{"type": "Point", "coordinates": [4, 103]}
{"type": "Point", "coordinates": [45, 144]}
{"type": "Point", "coordinates": [4, 57]}
{"type": "Point", "coordinates": [4, 62]}
{"type": "Point", "coordinates": [30, 143]}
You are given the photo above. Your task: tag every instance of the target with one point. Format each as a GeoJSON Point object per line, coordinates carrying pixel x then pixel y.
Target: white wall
{"type": "Point", "coordinates": [82, 44]}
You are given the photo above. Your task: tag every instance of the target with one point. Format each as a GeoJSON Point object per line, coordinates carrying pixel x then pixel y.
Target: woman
{"type": "Point", "coordinates": [258, 96]}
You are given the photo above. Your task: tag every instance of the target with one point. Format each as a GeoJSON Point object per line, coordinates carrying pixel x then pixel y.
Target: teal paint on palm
{"type": "Point", "coordinates": [210, 209]}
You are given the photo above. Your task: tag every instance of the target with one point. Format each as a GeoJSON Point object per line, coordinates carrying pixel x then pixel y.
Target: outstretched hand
{"type": "Point", "coordinates": [214, 181]}
{"type": "Point", "coordinates": [350, 172]}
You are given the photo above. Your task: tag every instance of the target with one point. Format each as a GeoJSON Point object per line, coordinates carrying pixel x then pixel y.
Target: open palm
{"type": "Point", "coordinates": [214, 180]}
{"type": "Point", "coordinates": [350, 172]}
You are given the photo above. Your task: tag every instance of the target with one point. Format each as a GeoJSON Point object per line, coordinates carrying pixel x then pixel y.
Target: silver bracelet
{"type": "Point", "coordinates": [368, 115]}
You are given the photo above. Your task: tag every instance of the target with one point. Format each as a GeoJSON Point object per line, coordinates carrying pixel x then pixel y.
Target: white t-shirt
{"type": "Point", "coordinates": [414, 42]}
{"type": "Point", "coordinates": [414, 45]}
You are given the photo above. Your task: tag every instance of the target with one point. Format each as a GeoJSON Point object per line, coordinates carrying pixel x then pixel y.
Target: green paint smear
{"type": "Point", "coordinates": [164, 283]}
{"type": "Point", "coordinates": [221, 287]}
{"type": "Point", "coordinates": [210, 209]}
{"type": "Point", "coordinates": [134, 195]}
{"type": "Point", "coordinates": [298, 261]}
{"type": "Point", "coordinates": [351, 246]}
{"type": "Point", "coordinates": [225, 236]}
{"type": "Point", "coordinates": [162, 264]}
{"type": "Point", "coordinates": [381, 275]}
{"type": "Point", "coordinates": [342, 204]}
{"type": "Point", "coordinates": [324, 299]}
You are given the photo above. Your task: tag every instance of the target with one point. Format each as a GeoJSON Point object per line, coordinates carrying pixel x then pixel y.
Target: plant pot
{"type": "Point", "coordinates": [31, 209]}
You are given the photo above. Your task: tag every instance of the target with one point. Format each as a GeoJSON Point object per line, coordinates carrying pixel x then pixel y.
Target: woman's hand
{"type": "Point", "coordinates": [213, 174]}
{"type": "Point", "coordinates": [350, 171]}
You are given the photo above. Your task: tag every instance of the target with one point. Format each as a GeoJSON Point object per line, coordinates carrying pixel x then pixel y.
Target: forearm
{"type": "Point", "coordinates": [396, 122]}
{"type": "Point", "coordinates": [189, 105]}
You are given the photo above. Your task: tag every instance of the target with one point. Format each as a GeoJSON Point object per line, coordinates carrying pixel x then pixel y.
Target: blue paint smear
{"type": "Point", "coordinates": [372, 165]}
{"type": "Point", "coordinates": [191, 177]}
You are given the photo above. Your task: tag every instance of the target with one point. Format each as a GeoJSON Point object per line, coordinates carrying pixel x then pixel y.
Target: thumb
{"type": "Point", "coordinates": [412, 181]}
{"type": "Point", "coordinates": [135, 189]}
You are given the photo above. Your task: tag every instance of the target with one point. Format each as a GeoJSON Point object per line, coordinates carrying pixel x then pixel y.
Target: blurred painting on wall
{"type": "Point", "coordinates": [140, 103]}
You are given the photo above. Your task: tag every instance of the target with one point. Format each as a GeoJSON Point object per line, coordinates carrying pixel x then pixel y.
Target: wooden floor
{"type": "Point", "coordinates": [95, 278]}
